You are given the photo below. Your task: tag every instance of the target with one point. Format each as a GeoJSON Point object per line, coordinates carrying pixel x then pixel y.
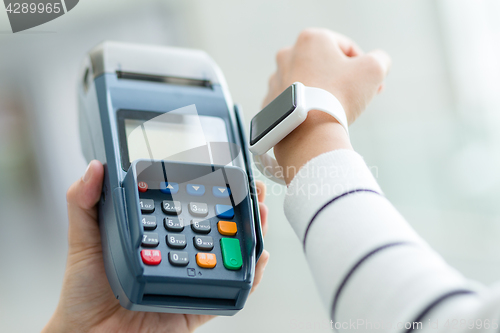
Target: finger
{"type": "Point", "coordinates": [283, 54]}
{"type": "Point", "coordinates": [263, 217]}
{"type": "Point", "coordinates": [381, 88]}
{"type": "Point", "coordinates": [347, 45]}
{"type": "Point", "coordinates": [259, 269]}
{"type": "Point", "coordinates": [82, 197]}
{"type": "Point", "coordinates": [283, 57]}
{"type": "Point", "coordinates": [261, 190]}
{"type": "Point", "coordinates": [383, 60]}
{"type": "Point", "coordinates": [371, 70]}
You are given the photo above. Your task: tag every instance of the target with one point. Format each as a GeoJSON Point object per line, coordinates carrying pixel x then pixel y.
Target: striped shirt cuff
{"type": "Point", "coordinates": [321, 181]}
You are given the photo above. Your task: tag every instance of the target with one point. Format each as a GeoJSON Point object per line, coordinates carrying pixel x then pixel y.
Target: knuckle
{"type": "Point", "coordinates": [307, 35]}
{"type": "Point", "coordinates": [280, 55]}
{"type": "Point", "coordinates": [374, 67]}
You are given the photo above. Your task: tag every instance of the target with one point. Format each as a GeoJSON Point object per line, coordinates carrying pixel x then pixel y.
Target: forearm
{"type": "Point", "coordinates": [367, 262]}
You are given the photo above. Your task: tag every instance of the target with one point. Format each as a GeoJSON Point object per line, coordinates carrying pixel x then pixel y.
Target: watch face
{"type": "Point", "coordinates": [274, 113]}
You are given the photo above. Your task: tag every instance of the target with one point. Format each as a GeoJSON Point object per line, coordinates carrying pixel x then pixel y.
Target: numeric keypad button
{"type": "Point", "coordinates": [150, 239]}
{"type": "Point", "coordinates": [147, 206]}
{"type": "Point", "coordinates": [149, 222]}
{"type": "Point", "coordinates": [200, 226]}
{"type": "Point", "coordinates": [203, 243]}
{"type": "Point", "coordinates": [178, 258]}
{"type": "Point", "coordinates": [176, 241]}
{"type": "Point", "coordinates": [173, 224]}
{"type": "Point", "coordinates": [198, 209]}
{"type": "Point", "coordinates": [170, 207]}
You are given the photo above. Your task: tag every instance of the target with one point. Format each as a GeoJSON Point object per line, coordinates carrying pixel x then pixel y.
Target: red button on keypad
{"type": "Point", "coordinates": [143, 186]}
{"type": "Point", "coordinates": [151, 257]}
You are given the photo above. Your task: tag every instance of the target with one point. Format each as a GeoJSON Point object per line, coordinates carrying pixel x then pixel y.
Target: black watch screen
{"type": "Point", "coordinates": [274, 113]}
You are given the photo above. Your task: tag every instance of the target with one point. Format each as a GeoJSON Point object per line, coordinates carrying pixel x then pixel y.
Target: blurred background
{"type": "Point", "coordinates": [432, 138]}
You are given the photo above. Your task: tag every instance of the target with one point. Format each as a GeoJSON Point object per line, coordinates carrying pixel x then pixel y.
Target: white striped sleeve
{"type": "Point", "coordinates": [370, 266]}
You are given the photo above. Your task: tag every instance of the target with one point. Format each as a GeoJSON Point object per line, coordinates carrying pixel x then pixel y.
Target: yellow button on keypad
{"type": "Point", "coordinates": [227, 228]}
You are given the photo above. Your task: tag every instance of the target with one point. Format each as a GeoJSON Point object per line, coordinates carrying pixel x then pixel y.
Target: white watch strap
{"type": "Point", "coordinates": [322, 100]}
{"type": "Point", "coordinates": [315, 99]}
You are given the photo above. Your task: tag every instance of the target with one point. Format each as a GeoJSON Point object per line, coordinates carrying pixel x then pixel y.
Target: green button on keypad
{"type": "Point", "coordinates": [231, 253]}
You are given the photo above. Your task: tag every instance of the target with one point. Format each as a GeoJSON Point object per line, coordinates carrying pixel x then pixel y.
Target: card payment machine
{"type": "Point", "coordinates": [178, 214]}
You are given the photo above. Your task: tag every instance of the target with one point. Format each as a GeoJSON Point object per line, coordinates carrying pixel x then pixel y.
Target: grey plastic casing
{"type": "Point", "coordinates": [102, 93]}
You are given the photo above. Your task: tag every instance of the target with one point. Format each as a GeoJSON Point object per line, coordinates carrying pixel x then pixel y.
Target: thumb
{"type": "Point", "coordinates": [383, 60]}
{"type": "Point", "coordinates": [371, 71]}
{"type": "Point", "coordinates": [377, 64]}
{"type": "Point", "coordinates": [82, 197]}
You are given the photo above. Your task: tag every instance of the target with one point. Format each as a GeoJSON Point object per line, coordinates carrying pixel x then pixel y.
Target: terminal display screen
{"type": "Point", "coordinates": [171, 137]}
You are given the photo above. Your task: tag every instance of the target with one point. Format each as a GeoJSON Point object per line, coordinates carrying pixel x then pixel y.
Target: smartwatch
{"type": "Point", "coordinates": [280, 117]}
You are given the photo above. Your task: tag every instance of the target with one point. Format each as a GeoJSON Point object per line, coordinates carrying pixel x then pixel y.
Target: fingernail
{"type": "Point", "coordinates": [88, 173]}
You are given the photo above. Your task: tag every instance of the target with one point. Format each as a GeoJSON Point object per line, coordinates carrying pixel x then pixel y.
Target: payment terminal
{"type": "Point", "coordinates": [178, 213]}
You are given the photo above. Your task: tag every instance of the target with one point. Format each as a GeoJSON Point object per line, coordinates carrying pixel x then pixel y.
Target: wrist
{"type": "Point", "coordinates": [318, 134]}
{"type": "Point", "coordinates": [54, 325]}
